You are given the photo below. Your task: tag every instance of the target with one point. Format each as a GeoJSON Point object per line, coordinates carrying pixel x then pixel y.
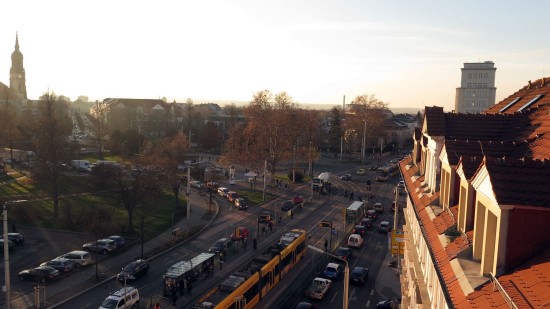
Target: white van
{"type": "Point", "coordinates": [81, 165]}
{"type": "Point", "coordinates": [355, 241]}
{"type": "Point", "coordinates": [124, 298]}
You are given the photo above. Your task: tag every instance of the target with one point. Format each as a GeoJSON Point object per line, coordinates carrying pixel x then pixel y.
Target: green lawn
{"type": "Point", "coordinates": [77, 206]}
{"type": "Point", "coordinates": [254, 197]}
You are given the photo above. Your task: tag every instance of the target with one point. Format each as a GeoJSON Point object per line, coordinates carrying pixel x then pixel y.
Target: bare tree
{"type": "Point", "coordinates": [99, 125]}
{"type": "Point", "coordinates": [9, 133]}
{"type": "Point", "coordinates": [53, 125]}
{"type": "Point", "coordinates": [169, 153]}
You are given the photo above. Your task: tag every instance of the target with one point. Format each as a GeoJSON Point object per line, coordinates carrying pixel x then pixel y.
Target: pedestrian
{"type": "Point", "coordinates": [326, 245]}
{"type": "Point", "coordinates": [346, 193]}
{"type": "Point", "coordinates": [270, 225]}
{"type": "Point", "coordinates": [244, 244]}
{"type": "Point", "coordinates": [183, 283]}
{"type": "Point", "coordinates": [157, 306]}
{"type": "Point", "coordinates": [291, 214]}
{"type": "Point", "coordinates": [351, 196]}
{"type": "Point", "coordinates": [174, 298]}
{"type": "Point", "coordinates": [189, 287]}
{"type": "Point", "coordinates": [13, 229]}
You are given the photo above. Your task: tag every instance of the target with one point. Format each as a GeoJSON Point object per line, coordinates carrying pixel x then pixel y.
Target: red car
{"type": "Point", "coordinates": [298, 200]}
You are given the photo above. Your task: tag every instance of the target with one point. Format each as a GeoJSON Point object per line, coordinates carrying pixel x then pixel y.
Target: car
{"type": "Point", "coordinates": [231, 196]}
{"type": "Point", "coordinates": [361, 171]}
{"type": "Point", "coordinates": [287, 205]}
{"type": "Point", "coordinates": [133, 270]}
{"type": "Point", "coordinates": [384, 227]}
{"type": "Point", "coordinates": [241, 233]}
{"type": "Point", "coordinates": [355, 241]}
{"type": "Point", "coordinates": [368, 182]}
{"type": "Point", "coordinates": [371, 213]}
{"type": "Point", "coordinates": [240, 203]}
{"type": "Point", "coordinates": [16, 238]}
{"type": "Point", "coordinates": [401, 184]}
{"type": "Point", "coordinates": [346, 177]}
{"type": "Point", "coordinates": [126, 297]}
{"type": "Point", "coordinates": [79, 258]}
{"type": "Point", "coordinates": [212, 185]}
{"type": "Point", "coordinates": [11, 244]}
{"type": "Point", "coordinates": [62, 264]}
{"type": "Point", "coordinates": [222, 191]}
{"type": "Point", "coordinates": [305, 305]}
{"type": "Point", "coordinates": [333, 271]}
{"type": "Point", "coordinates": [359, 275]}
{"type": "Point", "coordinates": [220, 245]}
{"type": "Point", "coordinates": [196, 184]}
{"type": "Point", "coordinates": [367, 223]}
{"type": "Point", "coordinates": [119, 241]}
{"type": "Point", "coordinates": [344, 253]}
{"type": "Point", "coordinates": [318, 288]}
{"type": "Point", "coordinates": [361, 230]}
{"type": "Point", "coordinates": [388, 304]}
{"type": "Point", "coordinates": [379, 207]}
{"type": "Point", "coordinates": [41, 274]}
{"type": "Point", "coordinates": [102, 246]}
{"type": "Point", "coordinates": [373, 167]}
{"type": "Point", "coordinates": [297, 200]}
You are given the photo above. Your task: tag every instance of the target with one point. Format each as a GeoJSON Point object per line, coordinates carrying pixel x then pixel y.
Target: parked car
{"type": "Point", "coordinates": [231, 196]}
{"type": "Point", "coordinates": [62, 264]}
{"type": "Point", "coordinates": [16, 238]}
{"type": "Point", "coordinates": [401, 184]}
{"type": "Point", "coordinates": [355, 241]}
{"type": "Point", "coordinates": [287, 205]}
{"type": "Point", "coordinates": [41, 274]}
{"type": "Point", "coordinates": [371, 213]}
{"type": "Point", "coordinates": [102, 246]}
{"type": "Point", "coordinates": [240, 203]}
{"type": "Point", "coordinates": [361, 171]}
{"type": "Point", "coordinates": [333, 271]}
{"type": "Point", "coordinates": [133, 270]}
{"type": "Point", "coordinates": [344, 253]}
{"type": "Point", "coordinates": [384, 227]}
{"type": "Point", "coordinates": [222, 191]}
{"type": "Point", "coordinates": [361, 230]}
{"type": "Point", "coordinates": [220, 245]}
{"type": "Point", "coordinates": [80, 258]}
{"type": "Point", "coordinates": [359, 275]}
{"type": "Point", "coordinates": [119, 241]}
{"type": "Point", "coordinates": [367, 223]}
{"type": "Point", "coordinates": [346, 177]}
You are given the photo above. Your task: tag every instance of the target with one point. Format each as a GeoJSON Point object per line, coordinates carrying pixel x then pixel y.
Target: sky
{"type": "Point", "coordinates": [405, 53]}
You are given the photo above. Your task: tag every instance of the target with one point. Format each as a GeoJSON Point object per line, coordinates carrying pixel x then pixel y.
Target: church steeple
{"type": "Point", "coordinates": [17, 72]}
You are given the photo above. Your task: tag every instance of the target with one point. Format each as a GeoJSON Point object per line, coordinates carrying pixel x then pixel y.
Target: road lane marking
{"type": "Point", "coordinates": [371, 292]}
{"type": "Point", "coordinates": [367, 304]}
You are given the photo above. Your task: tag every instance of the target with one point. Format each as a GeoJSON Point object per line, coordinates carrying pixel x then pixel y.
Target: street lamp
{"type": "Point", "coordinates": [346, 274]}
{"type": "Point", "coordinates": [7, 287]}
{"type": "Point", "coordinates": [363, 153]}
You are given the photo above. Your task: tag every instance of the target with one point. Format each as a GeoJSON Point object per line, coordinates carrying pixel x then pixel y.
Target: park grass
{"type": "Point", "coordinates": [254, 197]}
{"type": "Point", "coordinates": [78, 207]}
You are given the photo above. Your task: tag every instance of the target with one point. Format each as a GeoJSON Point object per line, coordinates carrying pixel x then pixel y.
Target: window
{"type": "Point", "coordinates": [469, 85]}
{"type": "Point", "coordinates": [484, 85]}
{"type": "Point", "coordinates": [485, 75]}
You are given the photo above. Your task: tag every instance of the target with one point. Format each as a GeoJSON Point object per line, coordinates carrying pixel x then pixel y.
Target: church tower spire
{"type": "Point", "coordinates": [17, 72]}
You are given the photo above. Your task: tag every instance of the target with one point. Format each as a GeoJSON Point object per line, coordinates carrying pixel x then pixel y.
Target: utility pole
{"type": "Point", "coordinates": [7, 287]}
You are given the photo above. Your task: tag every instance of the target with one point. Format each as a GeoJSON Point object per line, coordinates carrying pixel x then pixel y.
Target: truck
{"type": "Point", "coordinates": [320, 181]}
{"type": "Point", "coordinates": [318, 288]}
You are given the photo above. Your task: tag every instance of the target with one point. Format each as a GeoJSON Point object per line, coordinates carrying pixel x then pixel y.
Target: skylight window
{"type": "Point", "coordinates": [535, 99]}
{"type": "Point", "coordinates": [509, 104]}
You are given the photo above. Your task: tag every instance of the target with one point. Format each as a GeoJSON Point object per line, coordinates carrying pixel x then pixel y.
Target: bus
{"type": "Point", "coordinates": [355, 211]}
{"type": "Point", "coordinates": [386, 172]}
{"type": "Point", "coordinates": [245, 287]}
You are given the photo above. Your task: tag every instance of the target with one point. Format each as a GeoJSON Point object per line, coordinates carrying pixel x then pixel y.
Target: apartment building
{"type": "Point", "coordinates": [478, 207]}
